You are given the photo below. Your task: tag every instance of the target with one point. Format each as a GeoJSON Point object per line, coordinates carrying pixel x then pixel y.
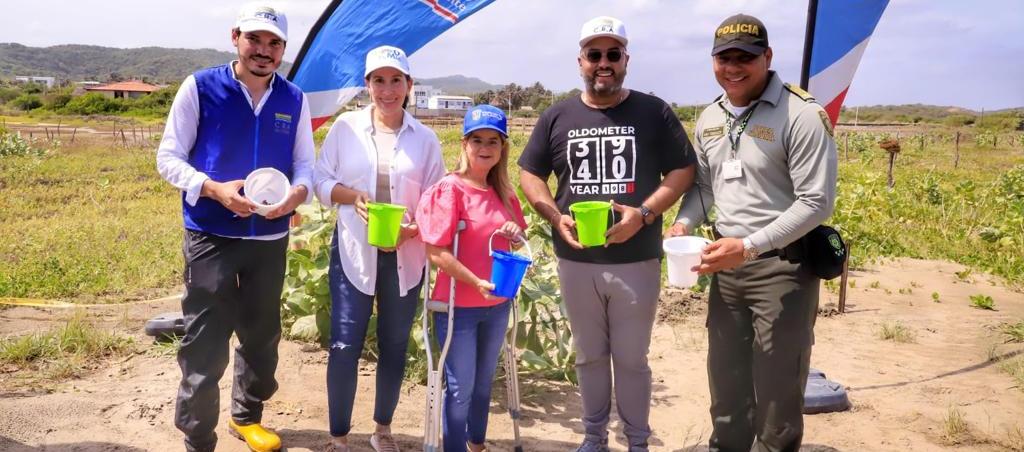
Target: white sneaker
{"type": "Point", "coordinates": [383, 442]}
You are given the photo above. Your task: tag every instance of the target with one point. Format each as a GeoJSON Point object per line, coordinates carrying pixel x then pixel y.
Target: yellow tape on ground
{"type": "Point", "coordinates": [41, 303]}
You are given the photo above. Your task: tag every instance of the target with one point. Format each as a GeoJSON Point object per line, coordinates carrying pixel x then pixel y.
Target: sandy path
{"type": "Point", "coordinates": [900, 392]}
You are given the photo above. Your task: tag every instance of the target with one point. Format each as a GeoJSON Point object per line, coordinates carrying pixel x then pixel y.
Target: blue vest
{"type": "Point", "coordinates": [231, 142]}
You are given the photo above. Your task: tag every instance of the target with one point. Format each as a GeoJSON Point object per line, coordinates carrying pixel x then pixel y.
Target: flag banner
{"type": "Point", "coordinates": [838, 31]}
{"type": "Point", "coordinates": [329, 67]}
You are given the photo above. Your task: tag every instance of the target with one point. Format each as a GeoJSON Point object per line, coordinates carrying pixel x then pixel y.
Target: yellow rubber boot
{"type": "Point", "coordinates": [255, 436]}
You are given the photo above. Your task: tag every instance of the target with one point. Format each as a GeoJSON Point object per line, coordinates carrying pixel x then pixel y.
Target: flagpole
{"type": "Point", "coordinates": [324, 17]}
{"type": "Point", "coordinates": [805, 69]}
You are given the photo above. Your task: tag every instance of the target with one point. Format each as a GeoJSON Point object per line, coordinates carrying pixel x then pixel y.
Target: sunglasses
{"type": "Point", "coordinates": [594, 55]}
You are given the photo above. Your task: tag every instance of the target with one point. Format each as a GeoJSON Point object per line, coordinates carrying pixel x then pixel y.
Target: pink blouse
{"type": "Point", "coordinates": [441, 207]}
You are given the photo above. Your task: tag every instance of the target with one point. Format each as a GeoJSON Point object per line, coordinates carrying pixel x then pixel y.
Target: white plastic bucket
{"type": "Point", "coordinates": [267, 188]}
{"type": "Point", "coordinates": [683, 253]}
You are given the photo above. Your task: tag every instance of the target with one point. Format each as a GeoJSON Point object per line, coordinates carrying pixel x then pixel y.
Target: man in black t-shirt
{"type": "Point", "coordinates": [627, 147]}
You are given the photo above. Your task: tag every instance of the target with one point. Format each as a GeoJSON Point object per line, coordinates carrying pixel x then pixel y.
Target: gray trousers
{"type": "Point", "coordinates": [760, 332]}
{"type": "Point", "coordinates": [231, 286]}
{"type": "Point", "coordinates": [611, 311]}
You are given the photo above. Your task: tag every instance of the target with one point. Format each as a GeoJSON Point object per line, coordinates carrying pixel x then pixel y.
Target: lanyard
{"type": "Point", "coordinates": [730, 122]}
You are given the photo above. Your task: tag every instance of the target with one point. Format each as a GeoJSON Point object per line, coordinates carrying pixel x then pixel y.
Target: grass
{"type": "Point", "coordinates": [955, 429]}
{"type": "Point", "coordinates": [87, 221]}
{"type": "Point", "coordinates": [1015, 368]}
{"type": "Point", "coordinates": [1014, 332]}
{"type": "Point", "coordinates": [983, 302]}
{"type": "Point", "coordinates": [94, 222]}
{"type": "Point", "coordinates": [63, 352]}
{"type": "Point", "coordinates": [897, 332]}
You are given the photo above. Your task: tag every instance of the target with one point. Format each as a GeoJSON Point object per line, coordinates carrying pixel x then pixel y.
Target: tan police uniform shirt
{"type": "Point", "coordinates": [786, 182]}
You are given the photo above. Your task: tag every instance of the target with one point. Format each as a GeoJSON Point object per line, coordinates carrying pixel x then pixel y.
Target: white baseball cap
{"type": "Point", "coordinates": [386, 56]}
{"type": "Point", "coordinates": [603, 26]}
{"type": "Point", "coordinates": [262, 17]}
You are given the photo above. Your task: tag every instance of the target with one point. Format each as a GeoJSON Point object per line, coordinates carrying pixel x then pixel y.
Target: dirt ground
{"type": "Point", "coordinates": [901, 392]}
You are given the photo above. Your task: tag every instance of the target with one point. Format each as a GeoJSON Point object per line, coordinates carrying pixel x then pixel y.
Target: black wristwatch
{"type": "Point", "coordinates": [645, 213]}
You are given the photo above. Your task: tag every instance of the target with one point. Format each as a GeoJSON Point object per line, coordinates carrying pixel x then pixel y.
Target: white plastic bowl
{"type": "Point", "coordinates": [267, 188]}
{"type": "Point", "coordinates": [683, 253]}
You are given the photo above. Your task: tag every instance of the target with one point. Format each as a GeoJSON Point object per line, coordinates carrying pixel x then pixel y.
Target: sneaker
{"type": "Point", "coordinates": [593, 446]}
{"type": "Point", "coordinates": [384, 442]}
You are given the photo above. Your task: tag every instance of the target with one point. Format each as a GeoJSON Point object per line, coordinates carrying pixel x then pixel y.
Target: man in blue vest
{"type": "Point", "coordinates": [225, 122]}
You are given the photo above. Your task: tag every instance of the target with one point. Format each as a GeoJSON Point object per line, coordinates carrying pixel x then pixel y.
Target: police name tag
{"type": "Point", "coordinates": [732, 169]}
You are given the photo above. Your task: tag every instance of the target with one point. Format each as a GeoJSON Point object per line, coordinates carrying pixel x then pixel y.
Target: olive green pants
{"type": "Point", "coordinates": [760, 332]}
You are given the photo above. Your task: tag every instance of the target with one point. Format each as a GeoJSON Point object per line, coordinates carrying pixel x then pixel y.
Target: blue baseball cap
{"type": "Point", "coordinates": [485, 117]}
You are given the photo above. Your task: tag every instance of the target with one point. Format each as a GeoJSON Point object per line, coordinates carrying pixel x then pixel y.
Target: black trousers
{"type": "Point", "coordinates": [231, 286]}
{"type": "Point", "coordinates": [760, 332]}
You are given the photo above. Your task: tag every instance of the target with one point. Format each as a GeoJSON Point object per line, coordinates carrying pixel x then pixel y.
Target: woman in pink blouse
{"type": "Point", "coordinates": [479, 193]}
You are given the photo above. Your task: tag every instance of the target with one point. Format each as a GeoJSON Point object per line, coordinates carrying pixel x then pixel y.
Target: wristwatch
{"type": "Point", "coordinates": [645, 213]}
{"type": "Point", "coordinates": [749, 251]}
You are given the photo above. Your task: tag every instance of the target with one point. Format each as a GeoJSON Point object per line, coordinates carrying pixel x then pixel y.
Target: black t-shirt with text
{"type": "Point", "coordinates": [619, 153]}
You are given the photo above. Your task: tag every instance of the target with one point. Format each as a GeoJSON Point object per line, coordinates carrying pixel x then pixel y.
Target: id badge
{"type": "Point", "coordinates": [732, 169]}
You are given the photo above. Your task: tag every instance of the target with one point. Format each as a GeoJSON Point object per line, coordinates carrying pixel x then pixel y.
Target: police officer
{"type": "Point", "coordinates": [767, 161]}
{"type": "Point", "coordinates": [225, 122]}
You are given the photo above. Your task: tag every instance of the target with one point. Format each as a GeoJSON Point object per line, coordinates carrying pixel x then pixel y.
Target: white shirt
{"type": "Point", "coordinates": [180, 136]}
{"type": "Point", "coordinates": [349, 157]}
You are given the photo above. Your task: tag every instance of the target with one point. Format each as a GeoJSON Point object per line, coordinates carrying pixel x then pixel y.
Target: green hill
{"type": "Point", "coordinates": [458, 84]}
{"type": "Point", "coordinates": [81, 62]}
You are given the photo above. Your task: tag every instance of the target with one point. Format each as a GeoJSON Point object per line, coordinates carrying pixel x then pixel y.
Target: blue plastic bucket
{"type": "Point", "coordinates": [507, 272]}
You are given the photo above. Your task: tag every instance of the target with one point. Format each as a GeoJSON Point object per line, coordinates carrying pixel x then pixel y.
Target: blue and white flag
{"type": "Point", "coordinates": [838, 32]}
{"type": "Point", "coordinates": [329, 68]}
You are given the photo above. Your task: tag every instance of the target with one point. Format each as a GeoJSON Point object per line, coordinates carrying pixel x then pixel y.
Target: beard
{"type": "Point", "coordinates": [604, 89]}
{"type": "Point", "coordinates": [254, 68]}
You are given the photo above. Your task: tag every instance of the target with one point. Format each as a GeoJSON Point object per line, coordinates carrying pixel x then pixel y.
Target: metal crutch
{"type": "Point", "coordinates": [435, 374]}
{"type": "Point", "coordinates": [511, 370]}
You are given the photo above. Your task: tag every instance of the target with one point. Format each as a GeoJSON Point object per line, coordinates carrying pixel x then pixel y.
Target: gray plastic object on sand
{"type": "Point", "coordinates": [822, 395]}
{"type": "Point", "coordinates": [165, 326]}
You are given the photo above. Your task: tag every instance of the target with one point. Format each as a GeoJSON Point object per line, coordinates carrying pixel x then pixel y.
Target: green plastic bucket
{"type": "Point", "coordinates": [384, 224]}
{"type": "Point", "coordinates": [591, 221]}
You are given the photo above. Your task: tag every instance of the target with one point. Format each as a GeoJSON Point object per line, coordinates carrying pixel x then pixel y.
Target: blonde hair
{"type": "Point", "coordinates": [497, 177]}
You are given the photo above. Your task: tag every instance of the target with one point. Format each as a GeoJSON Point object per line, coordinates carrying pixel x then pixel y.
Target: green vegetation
{"type": "Point", "coordinates": [94, 221]}
{"type": "Point", "coordinates": [897, 332]}
{"type": "Point", "coordinates": [14, 145]}
{"type": "Point", "coordinates": [1014, 332]}
{"type": "Point", "coordinates": [1015, 368]}
{"type": "Point", "coordinates": [972, 214]}
{"type": "Point", "coordinates": [983, 302]}
{"type": "Point", "coordinates": [1003, 120]}
{"type": "Point", "coordinates": [65, 351]}
{"type": "Point", "coordinates": [955, 429]}
{"type": "Point", "coordinates": [82, 62]}
{"type": "Point", "coordinates": [87, 221]}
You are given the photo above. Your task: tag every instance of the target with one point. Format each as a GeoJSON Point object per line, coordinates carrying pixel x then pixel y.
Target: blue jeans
{"type": "Point", "coordinates": [350, 316]}
{"type": "Point", "coordinates": [469, 370]}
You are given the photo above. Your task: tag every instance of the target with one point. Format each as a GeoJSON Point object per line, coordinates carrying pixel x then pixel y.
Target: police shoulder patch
{"type": "Point", "coordinates": [826, 122]}
{"type": "Point", "coordinates": [799, 92]}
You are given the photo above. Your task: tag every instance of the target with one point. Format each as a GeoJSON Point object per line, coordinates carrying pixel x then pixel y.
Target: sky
{"type": "Point", "coordinates": [941, 52]}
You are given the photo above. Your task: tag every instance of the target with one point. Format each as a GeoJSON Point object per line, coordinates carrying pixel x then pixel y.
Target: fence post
{"type": "Point", "coordinates": [73, 132]}
{"type": "Point", "coordinates": [956, 160]}
{"type": "Point", "coordinates": [847, 147]}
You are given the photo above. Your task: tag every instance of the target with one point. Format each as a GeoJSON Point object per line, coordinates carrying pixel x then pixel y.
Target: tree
{"type": "Point", "coordinates": [27, 102]}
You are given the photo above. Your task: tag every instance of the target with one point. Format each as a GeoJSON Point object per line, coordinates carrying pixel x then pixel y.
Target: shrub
{"type": "Point", "coordinates": [56, 101]}
{"type": "Point", "coordinates": [12, 144]}
{"type": "Point", "coordinates": [93, 104]}
{"type": "Point", "coordinates": [983, 302]}
{"type": "Point", "coordinates": [27, 102]}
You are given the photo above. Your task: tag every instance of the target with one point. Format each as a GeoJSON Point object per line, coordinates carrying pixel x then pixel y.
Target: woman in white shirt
{"type": "Point", "coordinates": [381, 154]}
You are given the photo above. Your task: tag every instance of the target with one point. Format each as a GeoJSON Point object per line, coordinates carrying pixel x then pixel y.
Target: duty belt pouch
{"type": "Point", "coordinates": [825, 252]}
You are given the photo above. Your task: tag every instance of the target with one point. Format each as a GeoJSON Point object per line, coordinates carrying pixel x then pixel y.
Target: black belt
{"type": "Point", "coordinates": [794, 252]}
